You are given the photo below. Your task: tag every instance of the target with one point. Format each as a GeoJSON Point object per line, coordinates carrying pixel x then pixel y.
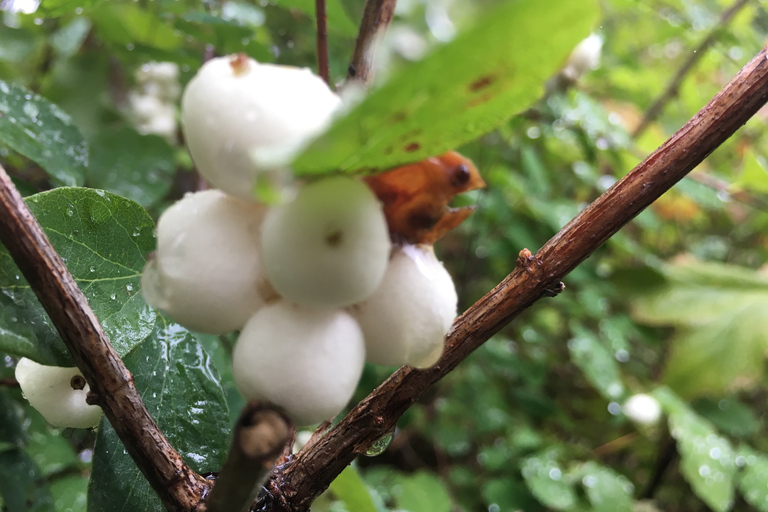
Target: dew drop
{"type": "Point", "coordinates": [381, 444]}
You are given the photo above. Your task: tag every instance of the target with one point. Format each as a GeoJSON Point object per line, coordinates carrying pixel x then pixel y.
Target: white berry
{"type": "Point", "coordinates": [329, 246]}
{"type": "Point", "coordinates": [242, 119]}
{"type": "Point", "coordinates": [58, 394]}
{"type": "Point", "coordinates": [643, 409]}
{"type": "Point", "coordinates": [584, 58]}
{"type": "Point", "coordinates": [406, 319]}
{"type": "Point", "coordinates": [306, 360]}
{"type": "Point", "coordinates": [206, 273]}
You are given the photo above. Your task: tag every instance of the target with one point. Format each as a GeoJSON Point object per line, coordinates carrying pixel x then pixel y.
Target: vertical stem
{"type": "Point", "coordinates": [322, 41]}
{"type": "Point", "coordinates": [377, 16]}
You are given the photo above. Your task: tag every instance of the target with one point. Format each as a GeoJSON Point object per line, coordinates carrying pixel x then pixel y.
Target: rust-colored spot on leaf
{"type": "Point", "coordinates": [416, 196]}
{"type": "Point", "coordinates": [413, 146]}
{"type": "Point", "coordinates": [481, 83]}
{"type": "Point", "coordinates": [479, 100]}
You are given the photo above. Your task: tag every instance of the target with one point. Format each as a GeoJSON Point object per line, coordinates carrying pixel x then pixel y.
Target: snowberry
{"type": "Point", "coordinates": [329, 246]}
{"type": "Point", "coordinates": [242, 119]}
{"type": "Point", "coordinates": [306, 360]}
{"type": "Point", "coordinates": [406, 319]}
{"type": "Point", "coordinates": [58, 394]}
{"type": "Point", "coordinates": [585, 57]}
{"type": "Point", "coordinates": [643, 409]}
{"type": "Point", "coordinates": [206, 272]}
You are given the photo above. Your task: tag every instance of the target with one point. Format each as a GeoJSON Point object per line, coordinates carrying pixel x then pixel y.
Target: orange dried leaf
{"type": "Point", "coordinates": [416, 196]}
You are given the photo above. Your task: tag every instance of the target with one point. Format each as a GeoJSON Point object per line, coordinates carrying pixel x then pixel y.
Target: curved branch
{"type": "Point", "coordinates": [111, 383]}
{"type": "Point", "coordinates": [295, 485]}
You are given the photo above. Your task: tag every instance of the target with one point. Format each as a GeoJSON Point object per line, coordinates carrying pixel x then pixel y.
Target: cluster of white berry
{"type": "Point", "coordinates": [153, 102]}
{"type": "Point", "coordinates": [313, 282]}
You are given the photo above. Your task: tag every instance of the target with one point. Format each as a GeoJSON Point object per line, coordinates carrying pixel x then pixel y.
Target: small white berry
{"type": "Point", "coordinates": [206, 273]}
{"type": "Point", "coordinates": [643, 409]}
{"type": "Point", "coordinates": [584, 58]}
{"type": "Point", "coordinates": [306, 360]}
{"type": "Point", "coordinates": [406, 319]}
{"type": "Point", "coordinates": [329, 246]}
{"type": "Point", "coordinates": [244, 120]}
{"type": "Point", "coordinates": [58, 394]}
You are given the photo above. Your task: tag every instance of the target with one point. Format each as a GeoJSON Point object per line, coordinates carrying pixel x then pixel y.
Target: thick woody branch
{"type": "Point", "coordinates": [673, 86]}
{"type": "Point", "coordinates": [298, 483]}
{"type": "Point", "coordinates": [377, 16]}
{"type": "Point", "coordinates": [110, 381]}
{"type": "Point", "coordinates": [260, 435]}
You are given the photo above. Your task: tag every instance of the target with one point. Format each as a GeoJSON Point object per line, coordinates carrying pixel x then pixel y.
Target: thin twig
{"type": "Point", "coordinates": [110, 381]}
{"type": "Point", "coordinates": [297, 484]}
{"type": "Point", "coordinates": [260, 435]}
{"type": "Point", "coordinates": [667, 454]}
{"type": "Point", "coordinates": [322, 41]}
{"type": "Point", "coordinates": [377, 16]}
{"type": "Point", "coordinates": [674, 84]}
{"type": "Point", "coordinates": [9, 382]}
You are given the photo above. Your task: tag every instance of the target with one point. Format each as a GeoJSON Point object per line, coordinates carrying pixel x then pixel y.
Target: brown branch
{"type": "Point", "coordinates": [9, 382]}
{"type": "Point", "coordinates": [110, 381]}
{"type": "Point", "coordinates": [376, 19]}
{"type": "Point", "coordinates": [297, 484]}
{"type": "Point", "coordinates": [260, 435]}
{"type": "Point", "coordinates": [673, 86]}
{"type": "Point", "coordinates": [322, 41]}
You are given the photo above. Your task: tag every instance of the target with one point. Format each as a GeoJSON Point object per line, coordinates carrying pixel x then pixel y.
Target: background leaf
{"type": "Point", "coordinates": [352, 491]}
{"type": "Point", "coordinates": [607, 490]}
{"type": "Point", "coordinates": [42, 132]}
{"type": "Point", "coordinates": [138, 167]}
{"type": "Point", "coordinates": [436, 104]}
{"type": "Point", "coordinates": [546, 480]}
{"type": "Point", "coordinates": [338, 20]}
{"type": "Point", "coordinates": [181, 389]}
{"type": "Point", "coordinates": [707, 460]}
{"type": "Point", "coordinates": [720, 313]}
{"type": "Point", "coordinates": [753, 479]}
{"type": "Point", "coordinates": [104, 240]}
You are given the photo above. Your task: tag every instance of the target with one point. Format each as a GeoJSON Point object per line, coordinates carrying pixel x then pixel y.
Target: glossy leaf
{"type": "Point", "coordinates": [181, 389]}
{"type": "Point", "coordinates": [606, 490]}
{"type": "Point", "coordinates": [423, 492]}
{"type": "Point", "coordinates": [70, 493]}
{"type": "Point", "coordinates": [546, 481]}
{"type": "Point", "coordinates": [42, 132]}
{"type": "Point", "coordinates": [721, 338]}
{"type": "Point", "coordinates": [138, 167]}
{"type": "Point", "coordinates": [457, 93]}
{"type": "Point", "coordinates": [352, 491]}
{"type": "Point", "coordinates": [104, 240]}
{"type": "Point", "coordinates": [707, 459]}
{"type": "Point", "coordinates": [598, 365]}
{"type": "Point", "coordinates": [753, 479]}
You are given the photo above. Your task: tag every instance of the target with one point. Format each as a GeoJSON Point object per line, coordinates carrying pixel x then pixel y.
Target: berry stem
{"type": "Point", "coordinates": [322, 41]}
{"type": "Point", "coordinates": [260, 435]}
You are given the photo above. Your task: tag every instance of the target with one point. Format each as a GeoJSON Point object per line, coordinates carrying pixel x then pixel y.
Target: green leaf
{"type": "Point", "coordinates": [423, 492]}
{"type": "Point", "coordinates": [459, 92]}
{"type": "Point", "coordinates": [544, 478]}
{"type": "Point", "coordinates": [598, 364]}
{"type": "Point", "coordinates": [134, 166]}
{"type": "Point", "coordinates": [12, 430]}
{"type": "Point", "coordinates": [70, 494]}
{"type": "Point", "coordinates": [21, 484]}
{"type": "Point", "coordinates": [53, 8]}
{"type": "Point", "coordinates": [350, 489]}
{"type": "Point", "coordinates": [722, 336]}
{"type": "Point", "coordinates": [338, 20]}
{"type": "Point", "coordinates": [129, 24]}
{"type": "Point", "coordinates": [754, 174]}
{"type": "Point", "coordinates": [42, 132]}
{"type": "Point", "coordinates": [706, 459]}
{"type": "Point", "coordinates": [181, 389]}
{"type": "Point", "coordinates": [606, 490]}
{"type": "Point", "coordinates": [104, 240]}
{"type": "Point", "coordinates": [753, 479]}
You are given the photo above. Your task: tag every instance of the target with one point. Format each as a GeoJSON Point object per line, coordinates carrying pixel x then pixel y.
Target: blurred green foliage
{"type": "Point", "coordinates": [674, 305]}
